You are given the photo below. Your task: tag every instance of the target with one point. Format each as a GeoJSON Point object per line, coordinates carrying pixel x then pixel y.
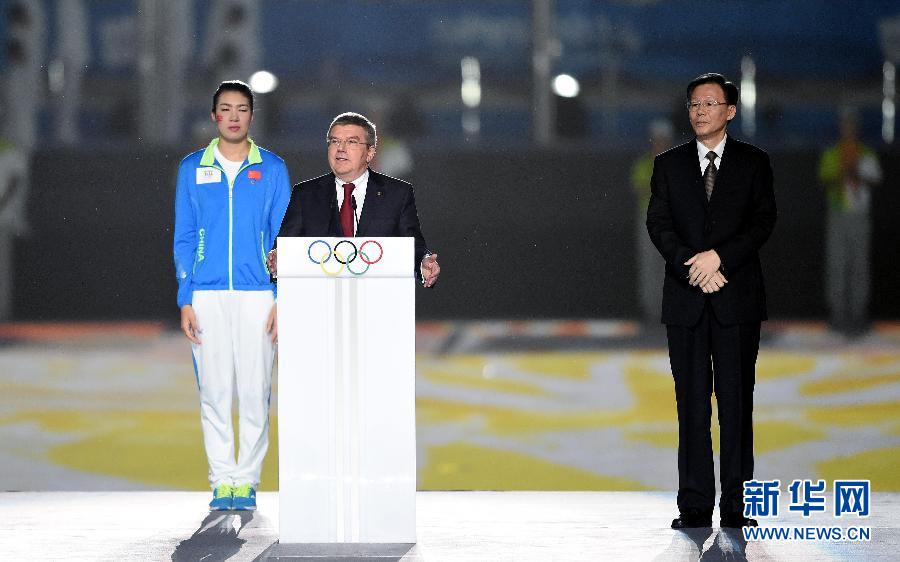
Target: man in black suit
{"type": "Point", "coordinates": [712, 207]}
{"type": "Point", "coordinates": [354, 200]}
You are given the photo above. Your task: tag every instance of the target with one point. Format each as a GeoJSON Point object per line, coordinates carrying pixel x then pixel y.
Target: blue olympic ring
{"type": "Point", "coordinates": [325, 258]}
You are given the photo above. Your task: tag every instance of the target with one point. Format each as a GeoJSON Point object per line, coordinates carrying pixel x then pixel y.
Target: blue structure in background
{"type": "Point", "coordinates": [356, 48]}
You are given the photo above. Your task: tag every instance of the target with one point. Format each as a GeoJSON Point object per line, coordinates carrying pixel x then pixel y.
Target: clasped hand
{"type": "Point", "coordinates": [705, 272]}
{"type": "Point", "coordinates": [430, 270]}
{"type": "Point", "coordinates": [272, 262]}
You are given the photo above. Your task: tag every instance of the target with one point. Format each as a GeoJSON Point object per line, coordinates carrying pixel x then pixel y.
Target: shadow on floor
{"type": "Point", "coordinates": [216, 539]}
{"type": "Point", "coordinates": [725, 544]}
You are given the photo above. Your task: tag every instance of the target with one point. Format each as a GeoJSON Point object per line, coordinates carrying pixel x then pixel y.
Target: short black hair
{"type": "Point", "coordinates": [233, 86]}
{"type": "Point", "coordinates": [730, 90]}
{"type": "Point", "coordinates": [350, 118]}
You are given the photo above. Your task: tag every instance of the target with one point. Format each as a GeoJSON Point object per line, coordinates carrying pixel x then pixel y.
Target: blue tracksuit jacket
{"type": "Point", "coordinates": [222, 231]}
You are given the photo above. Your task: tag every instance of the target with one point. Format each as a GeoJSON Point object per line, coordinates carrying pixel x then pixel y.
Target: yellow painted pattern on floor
{"type": "Point", "coordinates": [501, 420]}
{"type": "Point", "coordinates": [847, 382]}
{"type": "Point", "coordinates": [767, 436]}
{"type": "Point", "coordinates": [856, 415]}
{"type": "Point", "coordinates": [453, 374]}
{"type": "Point", "coordinates": [662, 438]}
{"type": "Point", "coordinates": [162, 449]}
{"type": "Point", "coordinates": [880, 466]}
{"type": "Point", "coordinates": [879, 359]}
{"type": "Point", "coordinates": [554, 364]}
{"type": "Point", "coordinates": [457, 466]}
{"type": "Point", "coordinates": [774, 365]}
{"type": "Point", "coordinates": [654, 393]}
{"type": "Point", "coordinates": [770, 436]}
{"type": "Point", "coordinates": [493, 421]}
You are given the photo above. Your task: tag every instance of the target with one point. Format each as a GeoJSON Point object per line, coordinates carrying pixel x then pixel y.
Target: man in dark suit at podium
{"type": "Point", "coordinates": [712, 207]}
{"type": "Point", "coordinates": [354, 200]}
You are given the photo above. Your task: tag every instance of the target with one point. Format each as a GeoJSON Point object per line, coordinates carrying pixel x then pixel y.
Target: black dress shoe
{"type": "Point", "coordinates": [736, 521]}
{"type": "Point", "coordinates": [693, 519]}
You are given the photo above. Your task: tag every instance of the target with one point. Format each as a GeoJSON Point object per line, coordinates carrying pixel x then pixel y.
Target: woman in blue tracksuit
{"type": "Point", "coordinates": [229, 202]}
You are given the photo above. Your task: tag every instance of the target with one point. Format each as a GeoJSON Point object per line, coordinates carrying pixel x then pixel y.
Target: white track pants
{"type": "Point", "coordinates": [235, 348]}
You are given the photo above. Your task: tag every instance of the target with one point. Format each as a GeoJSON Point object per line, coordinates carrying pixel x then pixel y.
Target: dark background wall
{"type": "Point", "coordinates": [520, 234]}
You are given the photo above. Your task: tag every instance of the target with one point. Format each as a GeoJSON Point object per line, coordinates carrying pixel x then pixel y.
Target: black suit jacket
{"type": "Point", "coordinates": [735, 222]}
{"type": "Point", "coordinates": [389, 210]}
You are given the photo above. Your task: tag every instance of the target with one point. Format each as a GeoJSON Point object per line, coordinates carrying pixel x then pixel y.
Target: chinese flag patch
{"type": "Point", "coordinates": [254, 175]}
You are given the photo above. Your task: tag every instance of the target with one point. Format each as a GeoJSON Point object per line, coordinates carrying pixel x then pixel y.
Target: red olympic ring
{"type": "Point", "coordinates": [365, 257]}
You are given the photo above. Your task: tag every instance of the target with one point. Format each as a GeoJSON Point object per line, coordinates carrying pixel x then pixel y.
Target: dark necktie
{"type": "Point", "coordinates": [347, 210]}
{"type": "Point", "coordinates": [709, 176]}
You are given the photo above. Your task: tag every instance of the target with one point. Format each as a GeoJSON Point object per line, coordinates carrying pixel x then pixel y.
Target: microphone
{"type": "Point", "coordinates": [355, 216]}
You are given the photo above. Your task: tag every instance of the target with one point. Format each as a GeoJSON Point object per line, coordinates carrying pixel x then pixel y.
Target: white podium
{"type": "Point", "coordinates": [346, 390]}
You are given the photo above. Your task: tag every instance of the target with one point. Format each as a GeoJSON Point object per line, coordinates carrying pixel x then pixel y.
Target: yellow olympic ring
{"type": "Point", "coordinates": [340, 269]}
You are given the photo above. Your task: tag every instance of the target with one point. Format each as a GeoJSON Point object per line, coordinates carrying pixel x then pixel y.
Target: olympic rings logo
{"type": "Point", "coordinates": [344, 253]}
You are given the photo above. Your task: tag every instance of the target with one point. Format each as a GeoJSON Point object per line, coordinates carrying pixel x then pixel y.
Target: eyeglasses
{"type": "Point", "coordinates": [350, 143]}
{"type": "Point", "coordinates": [706, 104]}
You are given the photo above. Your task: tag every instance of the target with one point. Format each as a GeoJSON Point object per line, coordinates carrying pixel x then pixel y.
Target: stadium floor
{"type": "Point", "coordinates": [565, 405]}
{"type": "Point", "coordinates": [450, 526]}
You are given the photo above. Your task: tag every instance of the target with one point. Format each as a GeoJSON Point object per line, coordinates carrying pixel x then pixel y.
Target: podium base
{"type": "Point", "coordinates": [339, 551]}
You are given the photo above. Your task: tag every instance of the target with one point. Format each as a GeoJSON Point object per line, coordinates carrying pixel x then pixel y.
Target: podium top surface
{"type": "Point", "coordinates": [345, 258]}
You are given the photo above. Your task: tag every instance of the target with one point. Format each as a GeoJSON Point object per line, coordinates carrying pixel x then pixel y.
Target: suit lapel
{"type": "Point", "coordinates": [728, 166]}
{"type": "Point", "coordinates": [330, 204]}
{"type": "Point", "coordinates": [692, 162]}
{"type": "Point", "coordinates": [374, 201]}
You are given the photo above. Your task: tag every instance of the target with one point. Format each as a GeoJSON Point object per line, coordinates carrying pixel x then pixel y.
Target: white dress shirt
{"type": "Point", "coordinates": [702, 151]}
{"type": "Point", "coordinates": [359, 193]}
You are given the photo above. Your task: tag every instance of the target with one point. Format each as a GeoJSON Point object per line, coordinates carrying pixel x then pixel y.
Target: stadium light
{"type": "Point", "coordinates": [470, 91]}
{"type": "Point", "coordinates": [748, 96]}
{"type": "Point", "coordinates": [566, 86]}
{"type": "Point", "coordinates": [889, 102]}
{"type": "Point", "coordinates": [263, 82]}
{"type": "Point", "coordinates": [471, 82]}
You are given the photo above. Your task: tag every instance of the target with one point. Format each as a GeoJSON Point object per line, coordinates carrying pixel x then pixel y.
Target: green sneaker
{"type": "Point", "coordinates": [244, 498]}
{"type": "Point", "coordinates": [222, 498]}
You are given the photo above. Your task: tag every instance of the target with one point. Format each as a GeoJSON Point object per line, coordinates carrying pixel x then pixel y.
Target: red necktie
{"type": "Point", "coordinates": [347, 210]}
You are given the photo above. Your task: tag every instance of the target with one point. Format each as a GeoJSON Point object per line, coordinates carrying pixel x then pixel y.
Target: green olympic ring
{"type": "Point", "coordinates": [365, 259]}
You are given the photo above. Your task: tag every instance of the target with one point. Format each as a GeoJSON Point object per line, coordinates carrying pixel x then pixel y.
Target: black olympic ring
{"type": "Point", "coordinates": [350, 257]}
